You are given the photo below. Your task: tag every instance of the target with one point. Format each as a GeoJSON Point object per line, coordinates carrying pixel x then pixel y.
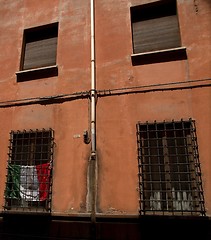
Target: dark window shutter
{"type": "Point", "coordinates": [40, 53]}
{"type": "Point", "coordinates": [156, 34]}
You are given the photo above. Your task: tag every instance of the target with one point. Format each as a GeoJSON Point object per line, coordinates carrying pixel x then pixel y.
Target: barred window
{"type": "Point", "coordinates": [169, 168]}
{"type": "Point", "coordinates": [29, 175]}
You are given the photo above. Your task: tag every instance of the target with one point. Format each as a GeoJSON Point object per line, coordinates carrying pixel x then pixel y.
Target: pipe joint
{"type": "Point", "coordinates": [93, 155]}
{"type": "Point", "coordinates": [93, 94]}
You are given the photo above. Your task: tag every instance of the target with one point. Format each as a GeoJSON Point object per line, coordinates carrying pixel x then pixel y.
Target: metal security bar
{"type": "Point", "coordinates": [29, 171]}
{"type": "Point", "coordinates": [169, 169]}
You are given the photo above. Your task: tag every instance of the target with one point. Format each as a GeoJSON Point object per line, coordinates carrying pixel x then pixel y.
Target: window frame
{"type": "Point", "coordinates": [166, 176]}
{"type": "Point", "coordinates": [164, 54]}
{"type": "Point", "coordinates": [31, 35]}
{"type": "Point", "coordinates": [30, 151]}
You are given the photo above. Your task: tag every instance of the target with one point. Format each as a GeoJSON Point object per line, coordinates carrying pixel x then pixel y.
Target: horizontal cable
{"type": "Point", "coordinates": [44, 100]}
{"type": "Point", "coordinates": [106, 92]}
{"type": "Point", "coordinates": [154, 87]}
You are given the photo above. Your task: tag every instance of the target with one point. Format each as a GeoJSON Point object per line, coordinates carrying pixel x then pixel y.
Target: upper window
{"type": "Point", "coordinates": [169, 169]}
{"type": "Point", "coordinates": [155, 33]}
{"type": "Point", "coordinates": [155, 26]}
{"type": "Point", "coordinates": [39, 47]}
{"type": "Point", "coordinates": [39, 53]}
{"type": "Point", "coordinates": [30, 161]}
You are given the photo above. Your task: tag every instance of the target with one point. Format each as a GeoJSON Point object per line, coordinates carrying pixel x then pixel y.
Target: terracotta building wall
{"type": "Point", "coordinates": [117, 115]}
{"type": "Point", "coordinates": [68, 119]}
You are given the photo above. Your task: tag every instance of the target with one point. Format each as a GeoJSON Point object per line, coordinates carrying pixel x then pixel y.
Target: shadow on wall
{"type": "Point", "coordinates": [197, 4]}
{"type": "Point", "coordinates": [19, 227]}
{"type": "Point", "coordinates": [208, 1]}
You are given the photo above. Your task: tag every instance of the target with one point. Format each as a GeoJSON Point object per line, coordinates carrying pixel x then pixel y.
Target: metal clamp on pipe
{"type": "Point", "coordinates": [86, 137]}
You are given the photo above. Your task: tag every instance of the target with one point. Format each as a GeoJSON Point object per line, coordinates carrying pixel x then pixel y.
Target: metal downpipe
{"type": "Point", "coordinates": [93, 81]}
{"type": "Point", "coordinates": [92, 169]}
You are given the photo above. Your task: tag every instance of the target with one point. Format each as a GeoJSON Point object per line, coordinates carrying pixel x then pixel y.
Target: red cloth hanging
{"type": "Point", "coordinates": [43, 175]}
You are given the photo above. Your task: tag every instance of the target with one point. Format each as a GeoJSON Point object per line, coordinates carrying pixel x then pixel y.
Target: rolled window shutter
{"type": "Point", "coordinates": [156, 34]}
{"type": "Point", "coordinates": [40, 53]}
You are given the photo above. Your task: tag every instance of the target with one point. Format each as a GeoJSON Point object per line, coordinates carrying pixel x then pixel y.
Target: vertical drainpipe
{"type": "Point", "coordinates": [92, 171]}
{"type": "Point", "coordinates": [93, 82]}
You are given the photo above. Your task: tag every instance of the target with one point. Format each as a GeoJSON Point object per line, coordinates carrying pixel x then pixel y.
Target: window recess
{"type": "Point", "coordinates": [29, 171]}
{"type": "Point", "coordinates": [39, 52]}
{"type": "Point", "coordinates": [155, 29]}
{"type": "Point", "coordinates": [169, 169]}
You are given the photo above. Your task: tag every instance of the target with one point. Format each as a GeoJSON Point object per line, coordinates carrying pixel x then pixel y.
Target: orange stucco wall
{"type": "Point", "coordinates": [117, 185]}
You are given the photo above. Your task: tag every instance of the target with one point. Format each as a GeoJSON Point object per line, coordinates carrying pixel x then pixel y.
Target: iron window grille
{"type": "Point", "coordinates": [169, 169]}
{"type": "Point", "coordinates": [29, 171]}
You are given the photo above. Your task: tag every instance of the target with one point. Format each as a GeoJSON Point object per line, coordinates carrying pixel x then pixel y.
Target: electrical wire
{"type": "Point", "coordinates": [44, 99]}
{"type": "Point", "coordinates": [108, 92]}
{"type": "Point", "coordinates": [152, 87]}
